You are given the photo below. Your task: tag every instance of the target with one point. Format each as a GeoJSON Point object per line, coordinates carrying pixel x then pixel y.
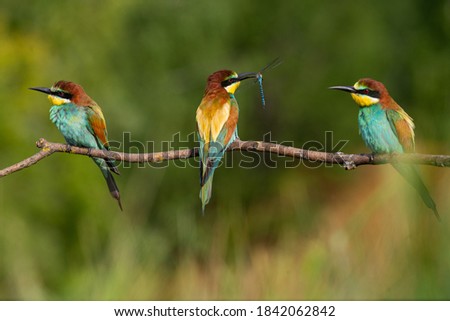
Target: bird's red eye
{"type": "Point", "coordinates": [64, 95]}
{"type": "Point", "coordinates": [228, 82]}
{"type": "Point", "coordinates": [366, 91]}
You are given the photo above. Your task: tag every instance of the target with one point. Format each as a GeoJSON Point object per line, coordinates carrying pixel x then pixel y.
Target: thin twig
{"type": "Point", "coordinates": [348, 161]}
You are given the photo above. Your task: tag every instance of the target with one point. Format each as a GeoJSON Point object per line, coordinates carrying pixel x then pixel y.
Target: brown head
{"type": "Point", "coordinates": [63, 92]}
{"type": "Point", "coordinates": [368, 92]}
{"type": "Point", "coordinates": [227, 80]}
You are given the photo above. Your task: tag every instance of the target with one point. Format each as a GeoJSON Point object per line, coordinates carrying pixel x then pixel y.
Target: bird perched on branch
{"type": "Point", "coordinates": [80, 120]}
{"type": "Point", "coordinates": [386, 128]}
{"type": "Point", "coordinates": [217, 118]}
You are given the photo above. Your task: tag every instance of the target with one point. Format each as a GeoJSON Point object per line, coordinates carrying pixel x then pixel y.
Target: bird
{"type": "Point", "coordinates": [217, 118]}
{"type": "Point", "coordinates": [80, 120]}
{"type": "Point", "coordinates": [386, 128]}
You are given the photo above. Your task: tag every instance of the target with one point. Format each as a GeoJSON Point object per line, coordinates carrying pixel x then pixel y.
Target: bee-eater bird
{"type": "Point", "coordinates": [217, 118]}
{"type": "Point", "coordinates": [386, 128]}
{"type": "Point", "coordinates": [80, 120]}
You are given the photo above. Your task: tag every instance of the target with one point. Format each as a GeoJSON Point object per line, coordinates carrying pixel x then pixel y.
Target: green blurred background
{"type": "Point", "coordinates": [268, 233]}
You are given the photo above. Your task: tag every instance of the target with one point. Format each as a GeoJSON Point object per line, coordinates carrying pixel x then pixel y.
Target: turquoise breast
{"type": "Point", "coordinates": [377, 131]}
{"type": "Point", "coordinates": [72, 121]}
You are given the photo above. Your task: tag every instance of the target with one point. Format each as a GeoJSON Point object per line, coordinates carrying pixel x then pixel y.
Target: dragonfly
{"type": "Point", "coordinates": [259, 78]}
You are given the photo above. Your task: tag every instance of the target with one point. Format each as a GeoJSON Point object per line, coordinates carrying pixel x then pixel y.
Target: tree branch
{"type": "Point", "coordinates": [348, 161]}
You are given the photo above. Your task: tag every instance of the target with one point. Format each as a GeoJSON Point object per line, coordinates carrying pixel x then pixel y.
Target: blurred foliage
{"type": "Point", "coordinates": [269, 233]}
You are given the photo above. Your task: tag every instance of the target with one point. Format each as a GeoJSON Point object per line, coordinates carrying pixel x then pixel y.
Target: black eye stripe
{"type": "Point", "coordinates": [369, 92]}
{"type": "Point", "coordinates": [63, 94]}
{"type": "Point", "coordinates": [228, 82]}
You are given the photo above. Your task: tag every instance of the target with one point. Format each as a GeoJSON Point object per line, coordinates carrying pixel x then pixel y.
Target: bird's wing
{"type": "Point", "coordinates": [98, 125]}
{"type": "Point", "coordinates": [98, 129]}
{"type": "Point", "coordinates": [403, 126]}
{"type": "Point", "coordinates": [211, 116]}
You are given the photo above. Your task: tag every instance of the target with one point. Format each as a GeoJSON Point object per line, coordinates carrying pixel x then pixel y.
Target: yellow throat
{"type": "Point", "coordinates": [56, 101]}
{"type": "Point", "coordinates": [232, 88]}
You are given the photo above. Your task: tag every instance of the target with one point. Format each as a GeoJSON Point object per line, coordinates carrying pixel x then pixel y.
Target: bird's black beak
{"type": "Point", "coordinates": [247, 75]}
{"type": "Point", "coordinates": [344, 88]}
{"type": "Point", "coordinates": [44, 90]}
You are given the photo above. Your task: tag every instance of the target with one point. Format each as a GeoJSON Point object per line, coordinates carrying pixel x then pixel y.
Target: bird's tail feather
{"type": "Point", "coordinates": [205, 192]}
{"type": "Point", "coordinates": [211, 157]}
{"type": "Point", "coordinates": [113, 189]}
{"type": "Point", "coordinates": [410, 173]}
{"type": "Point", "coordinates": [112, 186]}
{"type": "Point", "coordinates": [112, 166]}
